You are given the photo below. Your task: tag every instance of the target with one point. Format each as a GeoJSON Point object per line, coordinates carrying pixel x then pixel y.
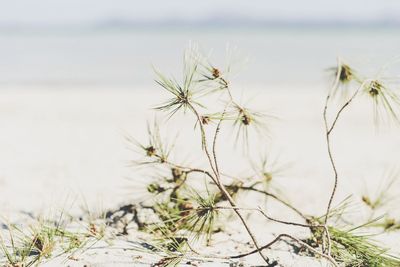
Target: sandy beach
{"type": "Point", "coordinates": [67, 148]}
{"type": "Point", "coordinates": [205, 133]}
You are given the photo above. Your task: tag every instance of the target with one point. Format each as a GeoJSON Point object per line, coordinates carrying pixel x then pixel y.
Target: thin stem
{"type": "Point", "coordinates": [270, 218]}
{"type": "Point", "coordinates": [276, 198]}
{"type": "Point", "coordinates": [215, 139]}
{"type": "Point", "coordinates": [280, 237]}
{"type": "Point", "coordinates": [328, 132]}
{"type": "Point", "coordinates": [344, 106]}
{"type": "Point", "coordinates": [204, 140]}
{"type": "Point", "coordinates": [310, 226]}
{"type": "Point", "coordinates": [221, 187]}
{"type": "Point", "coordinates": [189, 170]}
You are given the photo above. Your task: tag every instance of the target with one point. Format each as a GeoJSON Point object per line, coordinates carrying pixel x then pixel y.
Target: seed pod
{"type": "Point", "coordinates": [246, 120]}
{"type": "Point", "coordinates": [216, 73]}
{"type": "Point", "coordinates": [389, 223]}
{"type": "Point", "coordinates": [205, 120]}
{"type": "Point", "coordinates": [150, 151]}
{"type": "Point", "coordinates": [374, 88]}
{"type": "Point", "coordinates": [367, 200]}
{"type": "Point", "coordinates": [346, 73]}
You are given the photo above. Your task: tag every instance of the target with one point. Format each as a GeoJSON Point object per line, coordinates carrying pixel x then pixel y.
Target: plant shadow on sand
{"type": "Point", "coordinates": [184, 215]}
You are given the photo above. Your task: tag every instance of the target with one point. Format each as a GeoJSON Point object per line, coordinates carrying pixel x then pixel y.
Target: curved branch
{"type": "Point", "coordinates": [327, 135]}
{"type": "Point", "coordinates": [270, 218]}
{"type": "Point", "coordinates": [280, 237]}
{"type": "Point", "coordinates": [277, 199]}
{"type": "Point", "coordinates": [221, 187]}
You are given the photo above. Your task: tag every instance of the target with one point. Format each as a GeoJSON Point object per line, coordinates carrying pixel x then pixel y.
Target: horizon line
{"type": "Point", "coordinates": [116, 23]}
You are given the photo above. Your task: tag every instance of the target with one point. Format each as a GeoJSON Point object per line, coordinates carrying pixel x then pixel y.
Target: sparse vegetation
{"type": "Point", "coordinates": [46, 239]}
{"type": "Point", "coordinates": [188, 204]}
{"type": "Point", "coordinates": [184, 217]}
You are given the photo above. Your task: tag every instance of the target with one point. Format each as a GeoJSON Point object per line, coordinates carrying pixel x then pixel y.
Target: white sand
{"type": "Point", "coordinates": [67, 146]}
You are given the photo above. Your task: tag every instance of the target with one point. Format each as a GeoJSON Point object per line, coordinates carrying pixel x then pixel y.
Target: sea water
{"type": "Point", "coordinates": [125, 58]}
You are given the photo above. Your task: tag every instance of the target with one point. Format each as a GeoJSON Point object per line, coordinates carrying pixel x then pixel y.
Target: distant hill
{"type": "Point", "coordinates": [211, 22]}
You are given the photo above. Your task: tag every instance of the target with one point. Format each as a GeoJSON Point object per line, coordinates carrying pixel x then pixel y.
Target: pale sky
{"type": "Point", "coordinates": [80, 11]}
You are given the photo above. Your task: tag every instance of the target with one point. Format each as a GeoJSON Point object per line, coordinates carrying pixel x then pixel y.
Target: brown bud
{"type": "Point", "coordinates": [246, 120]}
{"type": "Point", "coordinates": [215, 73]}
{"type": "Point", "coordinates": [367, 200]}
{"type": "Point", "coordinates": [205, 120]}
{"type": "Point", "coordinates": [374, 88]}
{"type": "Point", "coordinates": [346, 73]}
{"type": "Point", "coordinates": [150, 151]}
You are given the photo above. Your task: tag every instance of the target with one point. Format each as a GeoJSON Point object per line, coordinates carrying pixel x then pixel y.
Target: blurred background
{"type": "Point", "coordinates": [77, 76]}
{"type": "Point", "coordinates": [113, 44]}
